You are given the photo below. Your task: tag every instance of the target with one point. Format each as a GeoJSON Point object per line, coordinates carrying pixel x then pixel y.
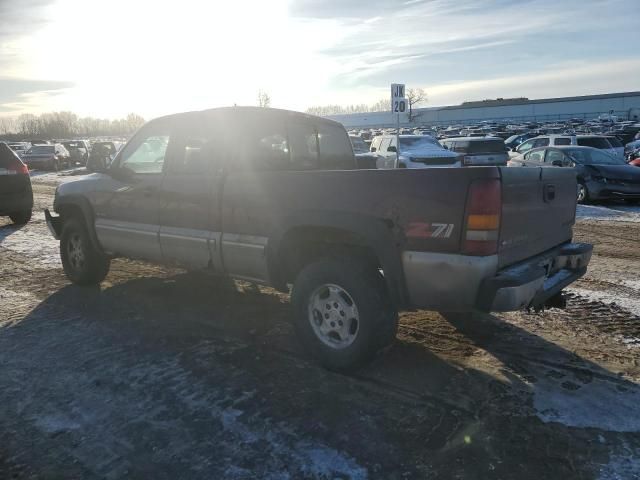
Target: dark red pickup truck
{"type": "Point", "coordinates": [275, 197]}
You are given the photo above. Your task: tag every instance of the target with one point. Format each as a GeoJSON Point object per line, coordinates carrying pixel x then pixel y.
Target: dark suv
{"type": "Point", "coordinates": [16, 197]}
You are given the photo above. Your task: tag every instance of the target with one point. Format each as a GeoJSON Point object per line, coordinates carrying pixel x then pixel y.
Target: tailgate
{"type": "Point", "coordinates": [538, 211]}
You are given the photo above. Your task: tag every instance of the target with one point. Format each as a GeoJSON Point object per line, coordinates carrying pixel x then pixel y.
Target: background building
{"type": "Point", "coordinates": [624, 105]}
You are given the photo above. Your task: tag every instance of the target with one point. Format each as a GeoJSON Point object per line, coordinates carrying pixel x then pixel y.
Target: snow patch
{"type": "Point", "coordinates": [32, 242]}
{"type": "Point", "coordinates": [599, 404]}
{"type": "Point", "coordinates": [621, 466]}
{"type": "Point", "coordinates": [323, 462]}
{"type": "Point", "coordinates": [616, 213]}
{"type": "Point", "coordinates": [609, 298]}
{"type": "Point", "coordinates": [63, 176]}
{"type": "Point", "coordinates": [55, 424]}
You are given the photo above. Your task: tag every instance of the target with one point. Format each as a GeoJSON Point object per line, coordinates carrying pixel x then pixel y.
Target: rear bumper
{"type": "Point", "coordinates": [532, 282]}
{"type": "Point", "coordinates": [459, 283]}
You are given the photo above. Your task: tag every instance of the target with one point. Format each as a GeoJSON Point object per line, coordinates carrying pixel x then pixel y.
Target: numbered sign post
{"type": "Point", "coordinates": [398, 106]}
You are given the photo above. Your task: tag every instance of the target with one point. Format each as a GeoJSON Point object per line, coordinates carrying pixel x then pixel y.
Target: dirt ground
{"type": "Point", "coordinates": [163, 374]}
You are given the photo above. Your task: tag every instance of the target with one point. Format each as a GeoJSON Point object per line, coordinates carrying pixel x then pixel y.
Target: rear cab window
{"type": "Point", "coordinates": [485, 146]}
{"type": "Point", "coordinates": [335, 148]}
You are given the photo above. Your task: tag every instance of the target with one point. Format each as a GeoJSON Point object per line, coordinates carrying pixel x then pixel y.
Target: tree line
{"type": "Point", "coordinates": [60, 125]}
{"type": "Point", "coordinates": [415, 97]}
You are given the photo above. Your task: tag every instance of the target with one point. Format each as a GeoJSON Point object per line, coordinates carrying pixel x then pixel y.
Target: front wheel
{"type": "Point", "coordinates": [82, 262]}
{"type": "Point", "coordinates": [343, 315]}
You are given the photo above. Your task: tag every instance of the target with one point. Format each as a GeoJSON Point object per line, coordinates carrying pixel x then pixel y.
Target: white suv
{"type": "Point", "coordinates": [608, 143]}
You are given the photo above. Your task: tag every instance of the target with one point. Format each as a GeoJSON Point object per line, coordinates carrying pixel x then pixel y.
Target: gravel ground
{"type": "Point", "coordinates": [165, 374]}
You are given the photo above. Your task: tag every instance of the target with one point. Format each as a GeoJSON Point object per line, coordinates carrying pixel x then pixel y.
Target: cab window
{"type": "Point", "coordinates": [145, 154]}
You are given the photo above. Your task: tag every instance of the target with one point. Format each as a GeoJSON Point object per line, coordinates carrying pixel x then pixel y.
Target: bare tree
{"type": "Point", "coordinates": [264, 100]}
{"type": "Point", "coordinates": [59, 125]}
{"type": "Point", "coordinates": [415, 96]}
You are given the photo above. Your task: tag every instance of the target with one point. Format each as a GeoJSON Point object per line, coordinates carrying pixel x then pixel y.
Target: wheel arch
{"type": "Point", "coordinates": [304, 238]}
{"type": "Point", "coordinates": [80, 208]}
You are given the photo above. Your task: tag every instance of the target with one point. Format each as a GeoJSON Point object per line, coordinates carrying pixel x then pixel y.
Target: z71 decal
{"type": "Point", "coordinates": [429, 230]}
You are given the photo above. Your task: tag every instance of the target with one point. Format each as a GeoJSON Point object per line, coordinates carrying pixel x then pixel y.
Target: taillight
{"type": "Point", "coordinates": [484, 203]}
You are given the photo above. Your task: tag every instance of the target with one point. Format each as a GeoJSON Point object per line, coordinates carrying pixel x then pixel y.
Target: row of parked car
{"type": "Point", "coordinates": [603, 171]}
{"type": "Point", "coordinates": [56, 155]}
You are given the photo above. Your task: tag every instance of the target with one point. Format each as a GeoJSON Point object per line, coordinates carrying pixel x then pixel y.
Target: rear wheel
{"type": "Point", "coordinates": [20, 218]}
{"type": "Point", "coordinates": [82, 262]}
{"type": "Point", "coordinates": [343, 315]}
{"type": "Point", "coordinates": [583, 193]}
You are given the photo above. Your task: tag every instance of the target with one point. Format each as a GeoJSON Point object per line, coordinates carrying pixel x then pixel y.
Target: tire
{"type": "Point", "coordinates": [20, 218]}
{"type": "Point", "coordinates": [82, 263]}
{"type": "Point", "coordinates": [583, 193]}
{"type": "Point", "coordinates": [343, 288]}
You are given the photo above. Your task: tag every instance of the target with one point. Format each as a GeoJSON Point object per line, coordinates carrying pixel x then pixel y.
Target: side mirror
{"type": "Point", "coordinates": [373, 149]}
{"type": "Point", "coordinates": [446, 147]}
{"type": "Point", "coordinates": [514, 149]}
{"type": "Point", "coordinates": [391, 148]}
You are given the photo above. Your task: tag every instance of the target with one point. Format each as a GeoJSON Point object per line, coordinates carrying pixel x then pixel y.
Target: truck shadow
{"type": "Point", "coordinates": [486, 391]}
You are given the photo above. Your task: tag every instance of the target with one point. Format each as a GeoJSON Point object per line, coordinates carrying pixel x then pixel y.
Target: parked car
{"type": "Point", "coordinates": [19, 147]}
{"type": "Point", "coordinates": [274, 197]}
{"type": "Point", "coordinates": [101, 155]}
{"type": "Point", "coordinates": [478, 152]}
{"type": "Point", "coordinates": [364, 158]}
{"type": "Point", "coordinates": [52, 157]}
{"type": "Point", "coordinates": [416, 151]}
{"type": "Point", "coordinates": [78, 151]}
{"type": "Point", "coordinates": [16, 196]}
{"type": "Point", "coordinates": [601, 176]}
{"type": "Point", "coordinates": [514, 140]}
{"type": "Point", "coordinates": [609, 144]}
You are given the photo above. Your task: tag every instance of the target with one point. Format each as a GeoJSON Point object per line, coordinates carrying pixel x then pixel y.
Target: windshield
{"type": "Point", "coordinates": [415, 143]}
{"type": "Point", "coordinates": [358, 145]}
{"type": "Point", "coordinates": [42, 149]}
{"type": "Point", "coordinates": [594, 157]}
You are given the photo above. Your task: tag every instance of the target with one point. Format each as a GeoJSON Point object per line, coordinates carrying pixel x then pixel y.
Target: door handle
{"type": "Point", "coordinates": [549, 192]}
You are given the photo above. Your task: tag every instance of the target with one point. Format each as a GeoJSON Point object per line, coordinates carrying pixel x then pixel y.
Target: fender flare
{"type": "Point", "coordinates": [79, 203]}
{"type": "Point", "coordinates": [378, 234]}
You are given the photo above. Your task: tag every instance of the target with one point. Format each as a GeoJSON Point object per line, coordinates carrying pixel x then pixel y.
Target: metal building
{"type": "Point", "coordinates": [624, 105]}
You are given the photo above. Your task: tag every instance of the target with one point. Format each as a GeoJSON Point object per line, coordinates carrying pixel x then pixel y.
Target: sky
{"type": "Point", "coordinates": [108, 58]}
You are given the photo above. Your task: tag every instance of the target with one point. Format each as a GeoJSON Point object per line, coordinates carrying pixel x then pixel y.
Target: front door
{"type": "Point", "coordinates": [190, 225]}
{"type": "Point", "coordinates": [127, 217]}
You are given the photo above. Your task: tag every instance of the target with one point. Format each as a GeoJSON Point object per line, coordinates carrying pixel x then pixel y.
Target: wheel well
{"type": "Point", "coordinates": [303, 245]}
{"type": "Point", "coordinates": [71, 211]}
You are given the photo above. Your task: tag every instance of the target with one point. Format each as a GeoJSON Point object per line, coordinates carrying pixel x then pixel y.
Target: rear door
{"type": "Point", "coordinates": [538, 211]}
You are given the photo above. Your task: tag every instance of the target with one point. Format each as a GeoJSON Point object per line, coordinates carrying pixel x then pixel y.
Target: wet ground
{"type": "Point", "coordinates": [165, 374]}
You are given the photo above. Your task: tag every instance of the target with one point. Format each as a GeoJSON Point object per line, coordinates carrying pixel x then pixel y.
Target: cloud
{"type": "Point", "coordinates": [17, 94]}
{"type": "Point", "coordinates": [19, 17]}
{"type": "Point", "coordinates": [349, 8]}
